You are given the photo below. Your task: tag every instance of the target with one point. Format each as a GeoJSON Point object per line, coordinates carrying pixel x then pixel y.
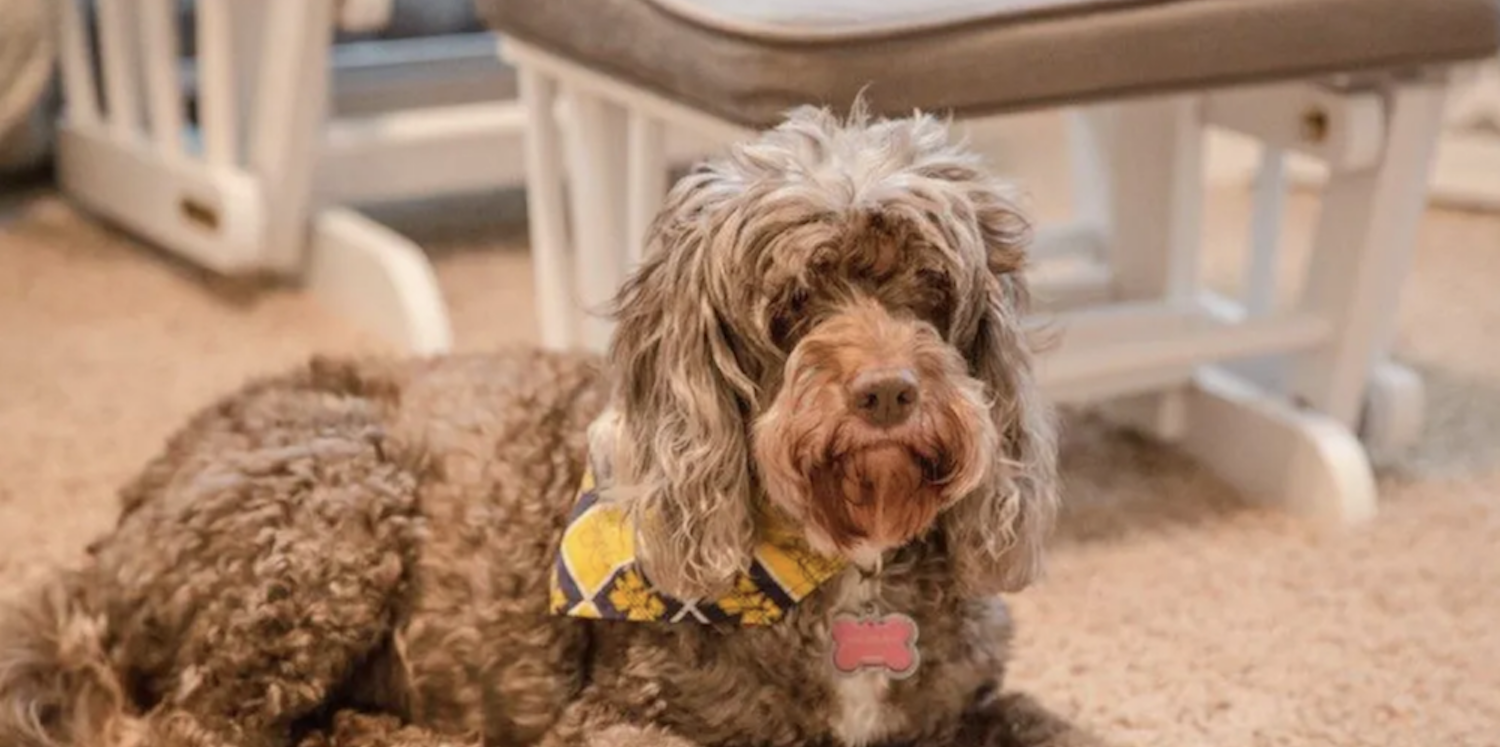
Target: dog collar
{"type": "Point", "coordinates": [597, 575]}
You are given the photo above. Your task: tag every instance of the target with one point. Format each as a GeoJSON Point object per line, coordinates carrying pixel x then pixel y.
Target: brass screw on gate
{"type": "Point", "coordinates": [1315, 125]}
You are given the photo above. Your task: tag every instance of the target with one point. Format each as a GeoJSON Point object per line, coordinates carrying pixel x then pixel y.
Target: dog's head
{"type": "Point", "coordinates": [829, 321]}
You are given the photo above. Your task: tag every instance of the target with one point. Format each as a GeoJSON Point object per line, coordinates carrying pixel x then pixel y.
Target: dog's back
{"type": "Point", "coordinates": [296, 542]}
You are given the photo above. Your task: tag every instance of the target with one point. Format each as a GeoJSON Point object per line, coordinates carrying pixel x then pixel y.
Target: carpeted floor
{"type": "Point", "coordinates": [1173, 613]}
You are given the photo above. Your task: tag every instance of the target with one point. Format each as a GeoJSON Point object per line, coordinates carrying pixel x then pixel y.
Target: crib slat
{"type": "Point", "coordinates": [290, 102]}
{"type": "Point", "coordinates": [117, 47]}
{"type": "Point", "coordinates": [280, 81]}
{"type": "Point", "coordinates": [217, 99]}
{"type": "Point", "coordinates": [79, 91]}
{"type": "Point", "coordinates": [163, 89]}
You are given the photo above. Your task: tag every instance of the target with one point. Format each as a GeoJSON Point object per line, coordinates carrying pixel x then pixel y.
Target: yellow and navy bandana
{"type": "Point", "coordinates": [596, 574]}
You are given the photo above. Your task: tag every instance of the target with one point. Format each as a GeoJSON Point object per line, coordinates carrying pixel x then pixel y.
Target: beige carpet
{"type": "Point", "coordinates": [1173, 614]}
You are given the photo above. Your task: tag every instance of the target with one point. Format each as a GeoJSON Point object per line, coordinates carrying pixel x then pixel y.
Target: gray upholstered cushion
{"type": "Point", "coordinates": [832, 20]}
{"type": "Point", "coordinates": [749, 60]}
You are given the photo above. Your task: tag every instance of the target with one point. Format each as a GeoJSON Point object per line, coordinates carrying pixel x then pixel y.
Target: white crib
{"type": "Point", "coordinates": [254, 183]}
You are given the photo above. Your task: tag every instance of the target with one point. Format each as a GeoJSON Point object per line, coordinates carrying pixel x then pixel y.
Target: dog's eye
{"type": "Point", "coordinates": [933, 279]}
{"type": "Point", "coordinates": [935, 298]}
{"type": "Point", "coordinates": [790, 317]}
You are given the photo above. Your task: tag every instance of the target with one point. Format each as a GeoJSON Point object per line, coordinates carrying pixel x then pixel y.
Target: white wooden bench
{"type": "Point", "coordinates": [1276, 401]}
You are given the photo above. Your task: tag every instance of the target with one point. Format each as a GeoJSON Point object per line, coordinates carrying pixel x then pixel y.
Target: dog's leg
{"type": "Point", "coordinates": [262, 563]}
{"type": "Point", "coordinates": [278, 643]}
{"type": "Point", "coordinates": [590, 724]}
{"type": "Point", "coordinates": [1015, 720]}
{"type": "Point", "coordinates": [351, 729]}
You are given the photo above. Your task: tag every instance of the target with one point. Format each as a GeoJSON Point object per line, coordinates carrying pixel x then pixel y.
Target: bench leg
{"type": "Point", "coordinates": [545, 209]}
{"type": "Point", "coordinates": [1088, 153]}
{"type": "Point", "coordinates": [1298, 447]}
{"type": "Point", "coordinates": [1275, 453]}
{"type": "Point", "coordinates": [616, 162]}
{"type": "Point", "coordinates": [1362, 253]}
{"type": "Point", "coordinates": [595, 147]}
{"type": "Point", "coordinates": [1154, 173]}
{"type": "Point", "coordinates": [647, 180]}
{"type": "Point", "coordinates": [1267, 216]}
{"type": "Point", "coordinates": [1293, 444]}
{"type": "Point", "coordinates": [1395, 409]}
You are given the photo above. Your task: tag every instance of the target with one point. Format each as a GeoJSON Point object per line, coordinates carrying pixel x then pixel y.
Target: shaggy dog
{"type": "Point", "coordinates": [823, 338]}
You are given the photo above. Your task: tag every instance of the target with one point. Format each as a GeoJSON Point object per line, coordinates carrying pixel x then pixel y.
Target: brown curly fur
{"type": "Point", "coordinates": [355, 554]}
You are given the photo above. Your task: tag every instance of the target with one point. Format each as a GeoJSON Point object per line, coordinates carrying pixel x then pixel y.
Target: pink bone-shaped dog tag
{"type": "Point", "coordinates": [885, 643]}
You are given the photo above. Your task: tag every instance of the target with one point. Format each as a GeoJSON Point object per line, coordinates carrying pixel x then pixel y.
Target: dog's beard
{"type": "Point", "coordinates": [880, 496]}
{"type": "Point", "coordinates": [856, 491]}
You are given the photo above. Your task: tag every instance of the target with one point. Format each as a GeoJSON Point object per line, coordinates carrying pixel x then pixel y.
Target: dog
{"type": "Point", "coordinates": [779, 510]}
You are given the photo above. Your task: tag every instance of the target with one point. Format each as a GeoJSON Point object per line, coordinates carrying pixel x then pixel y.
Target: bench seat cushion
{"type": "Point", "coordinates": [747, 61]}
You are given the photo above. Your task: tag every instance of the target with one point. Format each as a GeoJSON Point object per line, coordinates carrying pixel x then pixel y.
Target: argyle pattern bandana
{"type": "Point", "coordinates": [596, 574]}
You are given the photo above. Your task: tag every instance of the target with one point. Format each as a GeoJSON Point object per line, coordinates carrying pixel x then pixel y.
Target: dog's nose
{"type": "Point", "coordinates": [884, 398]}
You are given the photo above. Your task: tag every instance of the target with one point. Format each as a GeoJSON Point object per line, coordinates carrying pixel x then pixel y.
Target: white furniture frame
{"type": "Point", "coordinates": [1275, 402]}
{"type": "Point", "coordinates": [259, 183]}
{"type": "Point", "coordinates": [254, 185]}
{"type": "Point", "coordinates": [1466, 168]}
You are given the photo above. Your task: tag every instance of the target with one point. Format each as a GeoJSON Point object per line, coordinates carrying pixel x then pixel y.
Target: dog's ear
{"type": "Point", "coordinates": [682, 451]}
{"type": "Point", "coordinates": [996, 535]}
